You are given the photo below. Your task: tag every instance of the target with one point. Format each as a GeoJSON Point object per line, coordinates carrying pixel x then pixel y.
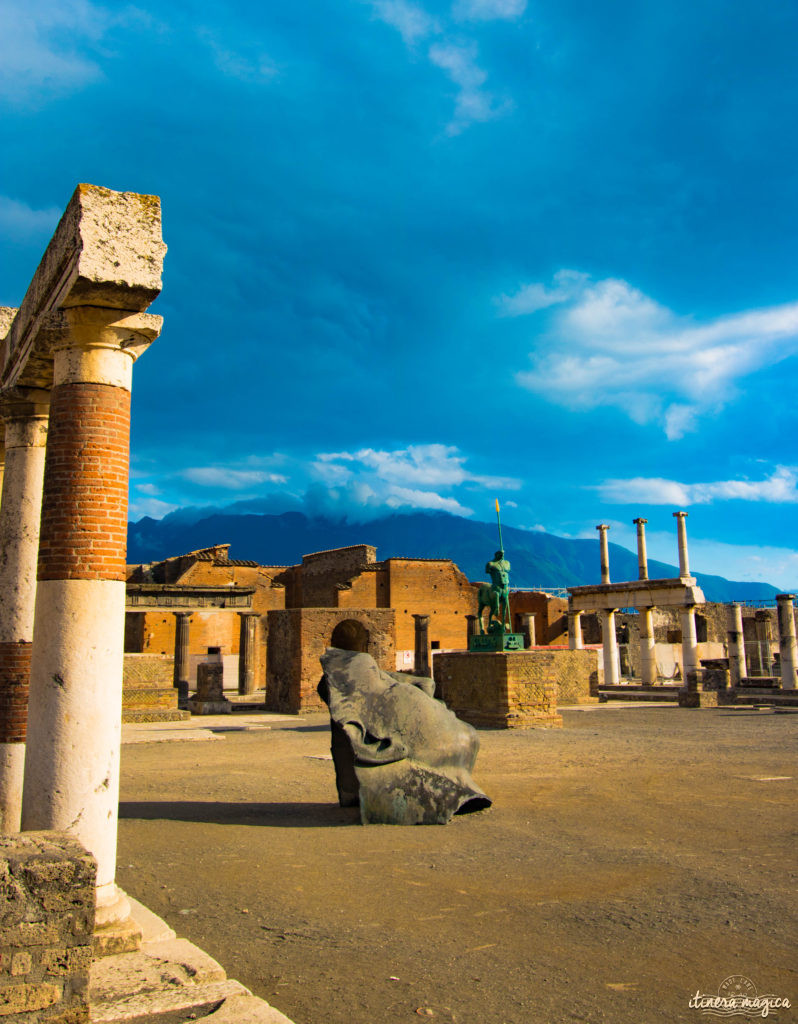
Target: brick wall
{"type": "Point", "coordinates": [14, 688]}
{"type": "Point", "coordinates": [46, 927]}
{"type": "Point", "coordinates": [297, 639]}
{"type": "Point", "coordinates": [430, 587]}
{"type": "Point", "coordinates": [550, 615]}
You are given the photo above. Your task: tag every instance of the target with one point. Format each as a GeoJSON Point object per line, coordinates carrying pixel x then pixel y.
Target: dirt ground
{"type": "Point", "coordinates": [630, 860]}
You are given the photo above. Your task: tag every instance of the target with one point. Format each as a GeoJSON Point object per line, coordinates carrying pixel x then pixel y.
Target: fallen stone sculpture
{"type": "Point", "coordinates": [398, 752]}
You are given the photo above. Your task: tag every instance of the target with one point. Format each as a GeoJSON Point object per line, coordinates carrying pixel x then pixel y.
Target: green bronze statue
{"type": "Point", "coordinates": [495, 596]}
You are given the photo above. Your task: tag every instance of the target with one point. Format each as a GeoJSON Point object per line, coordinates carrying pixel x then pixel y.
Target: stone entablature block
{"type": "Point", "coordinates": [156, 596]}
{"type": "Point", "coordinates": [667, 593]}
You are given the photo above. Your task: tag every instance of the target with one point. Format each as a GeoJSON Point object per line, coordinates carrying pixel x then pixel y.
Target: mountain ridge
{"type": "Point", "coordinates": [538, 559]}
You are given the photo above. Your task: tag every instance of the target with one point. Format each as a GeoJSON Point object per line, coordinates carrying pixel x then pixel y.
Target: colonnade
{"type": "Point", "coordinates": [247, 653]}
{"type": "Point", "coordinates": [65, 384]}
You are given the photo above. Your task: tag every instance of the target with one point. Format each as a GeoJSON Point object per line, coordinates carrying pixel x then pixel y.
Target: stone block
{"type": "Point", "coordinates": [499, 691]}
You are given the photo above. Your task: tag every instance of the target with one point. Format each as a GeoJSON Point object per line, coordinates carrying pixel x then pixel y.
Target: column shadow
{"type": "Point", "coordinates": [270, 815]}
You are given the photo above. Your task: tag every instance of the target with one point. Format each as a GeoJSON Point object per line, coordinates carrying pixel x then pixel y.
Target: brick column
{"type": "Point", "coordinates": [25, 413]}
{"type": "Point", "coordinates": [612, 675]}
{"type": "Point", "coordinates": [247, 651]}
{"type": "Point", "coordinates": [181, 670]}
{"type": "Point", "coordinates": [648, 660]}
{"type": "Point", "coordinates": [642, 557]}
{"type": "Point", "coordinates": [74, 723]}
{"type": "Point", "coordinates": [737, 665]}
{"type": "Point", "coordinates": [575, 641]}
{"type": "Point", "coordinates": [605, 552]}
{"type": "Point", "coordinates": [787, 642]}
{"type": "Point", "coordinates": [689, 642]}
{"type": "Point", "coordinates": [421, 658]}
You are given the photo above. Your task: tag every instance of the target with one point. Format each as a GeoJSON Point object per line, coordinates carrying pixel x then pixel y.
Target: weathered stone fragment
{"type": "Point", "coordinates": [398, 752]}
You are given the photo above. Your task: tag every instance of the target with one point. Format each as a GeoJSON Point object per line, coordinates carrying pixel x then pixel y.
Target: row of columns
{"type": "Point", "coordinates": [247, 653]}
{"type": "Point", "coordinates": [642, 555]}
{"type": "Point", "coordinates": [788, 645]}
{"type": "Point", "coordinates": [63, 525]}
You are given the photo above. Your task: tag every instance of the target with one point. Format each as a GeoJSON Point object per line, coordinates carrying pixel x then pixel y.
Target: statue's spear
{"type": "Point", "coordinates": [499, 521]}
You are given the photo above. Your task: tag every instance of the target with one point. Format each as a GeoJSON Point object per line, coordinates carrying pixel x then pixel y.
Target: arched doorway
{"type": "Point", "coordinates": [350, 635]}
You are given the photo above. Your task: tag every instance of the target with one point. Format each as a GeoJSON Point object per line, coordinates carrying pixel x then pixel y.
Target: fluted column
{"type": "Point", "coordinates": [247, 651]}
{"type": "Point", "coordinates": [575, 641]}
{"type": "Point", "coordinates": [681, 531]}
{"type": "Point", "coordinates": [648, 660]}
{"type": "Point", "coordinates": [737, 663]}
{"type": "Point", "coordinates": [642, 557]}
{"type": "Point", "coordinates": [787, 642]}
{"type": "Point", "coordinates": [25, 411]}
{"type": "Point", "coordinates": [605, 552]}
{"type": "Point", "coordinates": [612, 675]}
{"type": "Point", "coordinates": [689, 641]}
{"type": "Point", "coordinates": [181, 669]}
{"type": "Point", "coordinates": [421, 660]}
{"type": "Point", "coordinates": [74, 722]}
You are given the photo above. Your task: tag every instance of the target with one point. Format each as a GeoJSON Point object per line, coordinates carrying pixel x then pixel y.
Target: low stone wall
{"type": "Point", "coordinates": [148, 691]}
{"type": "Point", "coordinates": [498, 691]}
{"type": "Point", "coordinates": [576, 673]}
{"type": "Point", "coordinates": [46, 925]}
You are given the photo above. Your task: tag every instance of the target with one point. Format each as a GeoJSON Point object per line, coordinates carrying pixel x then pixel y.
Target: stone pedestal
{"type": "Point", "coordinates": [209, 698]}
{"type": "Point", "coordinates": [498, 690]}
{"type": "Point", "coordinates": [496, 642]}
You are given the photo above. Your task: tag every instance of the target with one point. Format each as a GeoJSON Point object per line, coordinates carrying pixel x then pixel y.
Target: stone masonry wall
{"type": "Point", "coordinates": [46, 927]}
{"type": "Point", "coordinates": [430, 587]}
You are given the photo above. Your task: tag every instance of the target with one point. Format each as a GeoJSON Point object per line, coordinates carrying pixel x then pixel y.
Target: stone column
{"type": "Point", "coordinates": [472, 627]}
{"type": "Point", "coordinates": [764, 638]}
{"type": "Point", "coordinates": [737, 665]}
{"type": "Point", "coordinates": [421, 659]}
{"type": "Point", "coordinates": [181, 672]}
{"type": "Point", "coordinates": [648, 659]}
{"type": "Point", "coordinates": [681, 530]}
{"type": "Point", "coordinates": [74, 722]}
{"type": "Point", "coordinates": [528, 628]}
{"type": "Point", "coordinates": [788, 654]}
{"type": "Point", "coordinates": [575, 641]}
{"type": "Point", "coordinates": [689, 642]}
{"type": "Point", "coordinates": [25, 412]}
{"type": "Point", "coordinates": [609, 641]}
{"type": "Point", "coordinates": [642, 557]}
{"type": "Point", "coordinates": [247, 651]}
{"type": "Point", "coordinates": [605, 552]}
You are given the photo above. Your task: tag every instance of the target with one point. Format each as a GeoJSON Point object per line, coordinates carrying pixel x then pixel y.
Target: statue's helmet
{"type": "Point", "coordinates": [499, 554]}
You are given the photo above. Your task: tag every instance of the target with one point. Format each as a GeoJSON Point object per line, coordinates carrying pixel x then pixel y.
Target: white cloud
{"type": "Point", "coordinates": [152, 507]}
{"type": "Point", "coordinates": [21, 222]}
{"type": "Point", "coordinates": [230, 478]}
{"type": "Point", "coordinates": [609, 344]}
{"type": "Point", "coordinates": [781, 487]}
{"type": "Point", "coordinates": [254, 66]}
{"type": "Point", "coordinates": [411, 20]}
{"type": "Point", "coordinates": [472, 103]}
{"type": "Point", "coordinates": [487, 10]}
{"type": "Point", "coordinates": [432, 465]}
{"type": "Point", "coordinates": [456, 57]}
{"type": "Point", "coordinates": [149, 489]}
{"type": "Point", "coordinates": [50, 47]}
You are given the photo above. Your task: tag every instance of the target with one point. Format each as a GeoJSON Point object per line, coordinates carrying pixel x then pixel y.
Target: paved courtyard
{"type": "Point", "coordinates": [633, 858]}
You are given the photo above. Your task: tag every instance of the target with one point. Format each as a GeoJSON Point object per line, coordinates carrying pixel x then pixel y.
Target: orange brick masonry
{"type": "Point", "coordinates": [84, 508]}
{"type": "Point", "coordinates": [14, 687]}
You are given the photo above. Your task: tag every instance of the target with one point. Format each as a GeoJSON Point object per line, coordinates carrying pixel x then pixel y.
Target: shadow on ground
{"type": "Point", "coordinates": [274, 815]}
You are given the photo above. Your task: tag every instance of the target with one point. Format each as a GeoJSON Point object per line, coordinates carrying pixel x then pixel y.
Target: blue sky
{"type": "Point", "coordinates": [426, 254]}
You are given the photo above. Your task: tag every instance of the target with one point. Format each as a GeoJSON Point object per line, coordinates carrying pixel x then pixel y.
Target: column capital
{"type": "Point", "coordinates": [680, 515]}
{"type": "Point", "coordinates": [640, 521]}
{"type": "Point", "coordinates": [183, 615]}
{"type": "Point", "coordinates": [248, 613]}
{"type": "Point", "coordinates": [785, 597]}
{"type": "Point", "coordinates": [422, 620]}
{"type": "Point", "coordinates": [97, 345]}
{"type": "Point", "coordinates": [603, 526]}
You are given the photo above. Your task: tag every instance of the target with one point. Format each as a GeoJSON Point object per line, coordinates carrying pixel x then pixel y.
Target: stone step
{"type": "Point", "coordinates": [664, 694]}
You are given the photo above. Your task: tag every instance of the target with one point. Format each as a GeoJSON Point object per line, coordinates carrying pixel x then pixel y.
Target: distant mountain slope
{"type": "Point", "coordinates": [538, 559]}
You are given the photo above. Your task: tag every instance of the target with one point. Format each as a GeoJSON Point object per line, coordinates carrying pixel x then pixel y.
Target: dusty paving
{"type": "Point", "coordinates": [631, 859]}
